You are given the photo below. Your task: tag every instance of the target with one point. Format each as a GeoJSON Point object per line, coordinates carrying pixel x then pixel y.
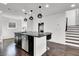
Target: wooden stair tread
{"type": "Point", "coordinates": [72, 39]}
{"type": "Point", "coordinates": [73, 36]}
{"type": "Point", "coordinates": [72, 42]}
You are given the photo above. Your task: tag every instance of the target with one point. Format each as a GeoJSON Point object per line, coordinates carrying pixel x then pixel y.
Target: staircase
{"type": "Point", "coordinates": [72, 35]}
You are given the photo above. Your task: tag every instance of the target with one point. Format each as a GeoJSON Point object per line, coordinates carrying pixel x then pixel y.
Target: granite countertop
{"type": "Point", "coordinates": [35, 34]}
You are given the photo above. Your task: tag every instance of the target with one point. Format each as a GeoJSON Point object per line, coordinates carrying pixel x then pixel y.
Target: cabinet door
{"type": "Point", "coordinates": [39, 45]}
{"type": "Point", "coordinates": [18, 41]}
{"type": "Point", "coordinates": [31, 45]}
{"type": "Point", "coordinates": [25, 42]}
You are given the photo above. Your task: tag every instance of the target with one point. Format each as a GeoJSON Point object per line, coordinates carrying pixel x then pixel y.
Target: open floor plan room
{"type": "Point", "coordinates": [39, 29]}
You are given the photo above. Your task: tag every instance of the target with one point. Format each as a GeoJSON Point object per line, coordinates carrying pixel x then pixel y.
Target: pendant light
{"type": "Point", "coordinates": [40, 14]}
{"type": "Point", "coordinates": [31, 17]}
{"type": "Point", "coordinates": [25, 19]}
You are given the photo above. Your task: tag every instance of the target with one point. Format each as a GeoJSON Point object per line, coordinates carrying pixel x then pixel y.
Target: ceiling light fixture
{"type": "Point", "coordinates": [5, 3]}
{"type": "Point", "coordinates": [23, 10]}
{"type": "Point", "coordinates": [47, 6]}
{"type": "Point", "coordinates": [73, 5]}
{"type": "Point", "coordinates": [30, 11]}
{"type": "Point", "coordinates": [1, 11]}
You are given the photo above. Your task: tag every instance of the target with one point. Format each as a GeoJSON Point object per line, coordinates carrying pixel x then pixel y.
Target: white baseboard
{"type": "Point", "coordinates": [57, 42]}
{"type": "Point", "coordinates": [8, 38]}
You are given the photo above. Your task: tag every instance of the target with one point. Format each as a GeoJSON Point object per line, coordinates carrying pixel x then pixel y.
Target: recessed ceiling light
{"type": "Point", "coordinates": [23, 10]}
{"type": "Point", "coordinates": [5, 3]}
{"type": "Point", "coordinates": [30, 12]}
{"type": "Point", "coordinates": [47, 6]}
{"type": "Point", "coordinates": [1, 11]}
{"type": "Point", "coordinates": [73, 5]}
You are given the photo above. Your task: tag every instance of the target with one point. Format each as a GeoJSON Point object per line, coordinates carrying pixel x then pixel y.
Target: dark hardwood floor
{"type": "Point", "coordinates": [61, 50]}
{"type": "Point", "coordinates": [9, 49]}
{"type": "Point", "coordinates": [55, 49]}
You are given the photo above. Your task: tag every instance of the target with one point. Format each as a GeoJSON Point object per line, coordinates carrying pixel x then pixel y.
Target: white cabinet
{"type": "Point", "coordinates": [25, 42]}
{"type": "Point", "coordinates": [39, 45]}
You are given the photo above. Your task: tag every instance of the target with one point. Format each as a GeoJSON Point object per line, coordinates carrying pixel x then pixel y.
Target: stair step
{"type": "Point", "coordinates": [74, 26]}
{"type": "Point", "coordinates": [68, 35]}
{"type": "Point", "coordinates": [72, 35]}
{"type": "Point", "coordinates": [72, 39]}
{"type": "Point", "coordinates": [72, 31]}
{"type": "Point", "coordinates": [72, 43]}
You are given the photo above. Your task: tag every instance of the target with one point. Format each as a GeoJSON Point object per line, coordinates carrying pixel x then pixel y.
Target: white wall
{"type": "Point", "coordinates": [56, 24]}
{"type": "Point", "coordinates": [0, 29]}
{"type": "Point", "coordinates": [23, 24]}
{"type": "Point", "coordinates": [77, 17]}
{"type": "Point", "coordinates": [71, 14]}
{"type": "Point", "coordinates": [32, 25]}
{"type": "Point", "coordinates": [6, 31]}
{"type": "Point", "coordinates": [0, 26]}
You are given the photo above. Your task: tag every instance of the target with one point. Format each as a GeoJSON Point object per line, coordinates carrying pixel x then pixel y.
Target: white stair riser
{"type": "Point", "coordinates": [72, 35]}
{"type": "Point", "coordinates": [70, 30]}
{"type": "Point", "coordinates": [73, 26]}
{"type": "Point", "coordinates": [72, 38]}
{"type": "Point", "coordinates": [72, 41]}
{"type": "Point", "coordinates": [72, 44]}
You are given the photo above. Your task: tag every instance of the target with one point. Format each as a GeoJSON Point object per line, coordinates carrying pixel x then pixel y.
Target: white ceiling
{"type": "Point", "coordinates": [16, 8]}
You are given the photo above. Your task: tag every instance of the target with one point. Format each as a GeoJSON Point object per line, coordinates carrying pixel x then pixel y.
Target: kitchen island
{"type": "Point", "coordinates": [32, 42]}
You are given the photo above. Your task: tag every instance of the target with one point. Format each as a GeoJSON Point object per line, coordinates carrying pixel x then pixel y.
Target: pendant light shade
{"type": "Point", "coordinates": [25, 19]}
{"type": "Point", "coordinates": [31, 17]}
{"type": "Point", "coordinates": [39, 6]}
{"type": "Point", "coordinates": [39, 15]}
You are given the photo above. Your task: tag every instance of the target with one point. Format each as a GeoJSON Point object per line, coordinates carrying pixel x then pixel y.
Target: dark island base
{"type": "Point", "coordinates": [30, 39]}
{"type": "Point", "coordinates": [30, 47]}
